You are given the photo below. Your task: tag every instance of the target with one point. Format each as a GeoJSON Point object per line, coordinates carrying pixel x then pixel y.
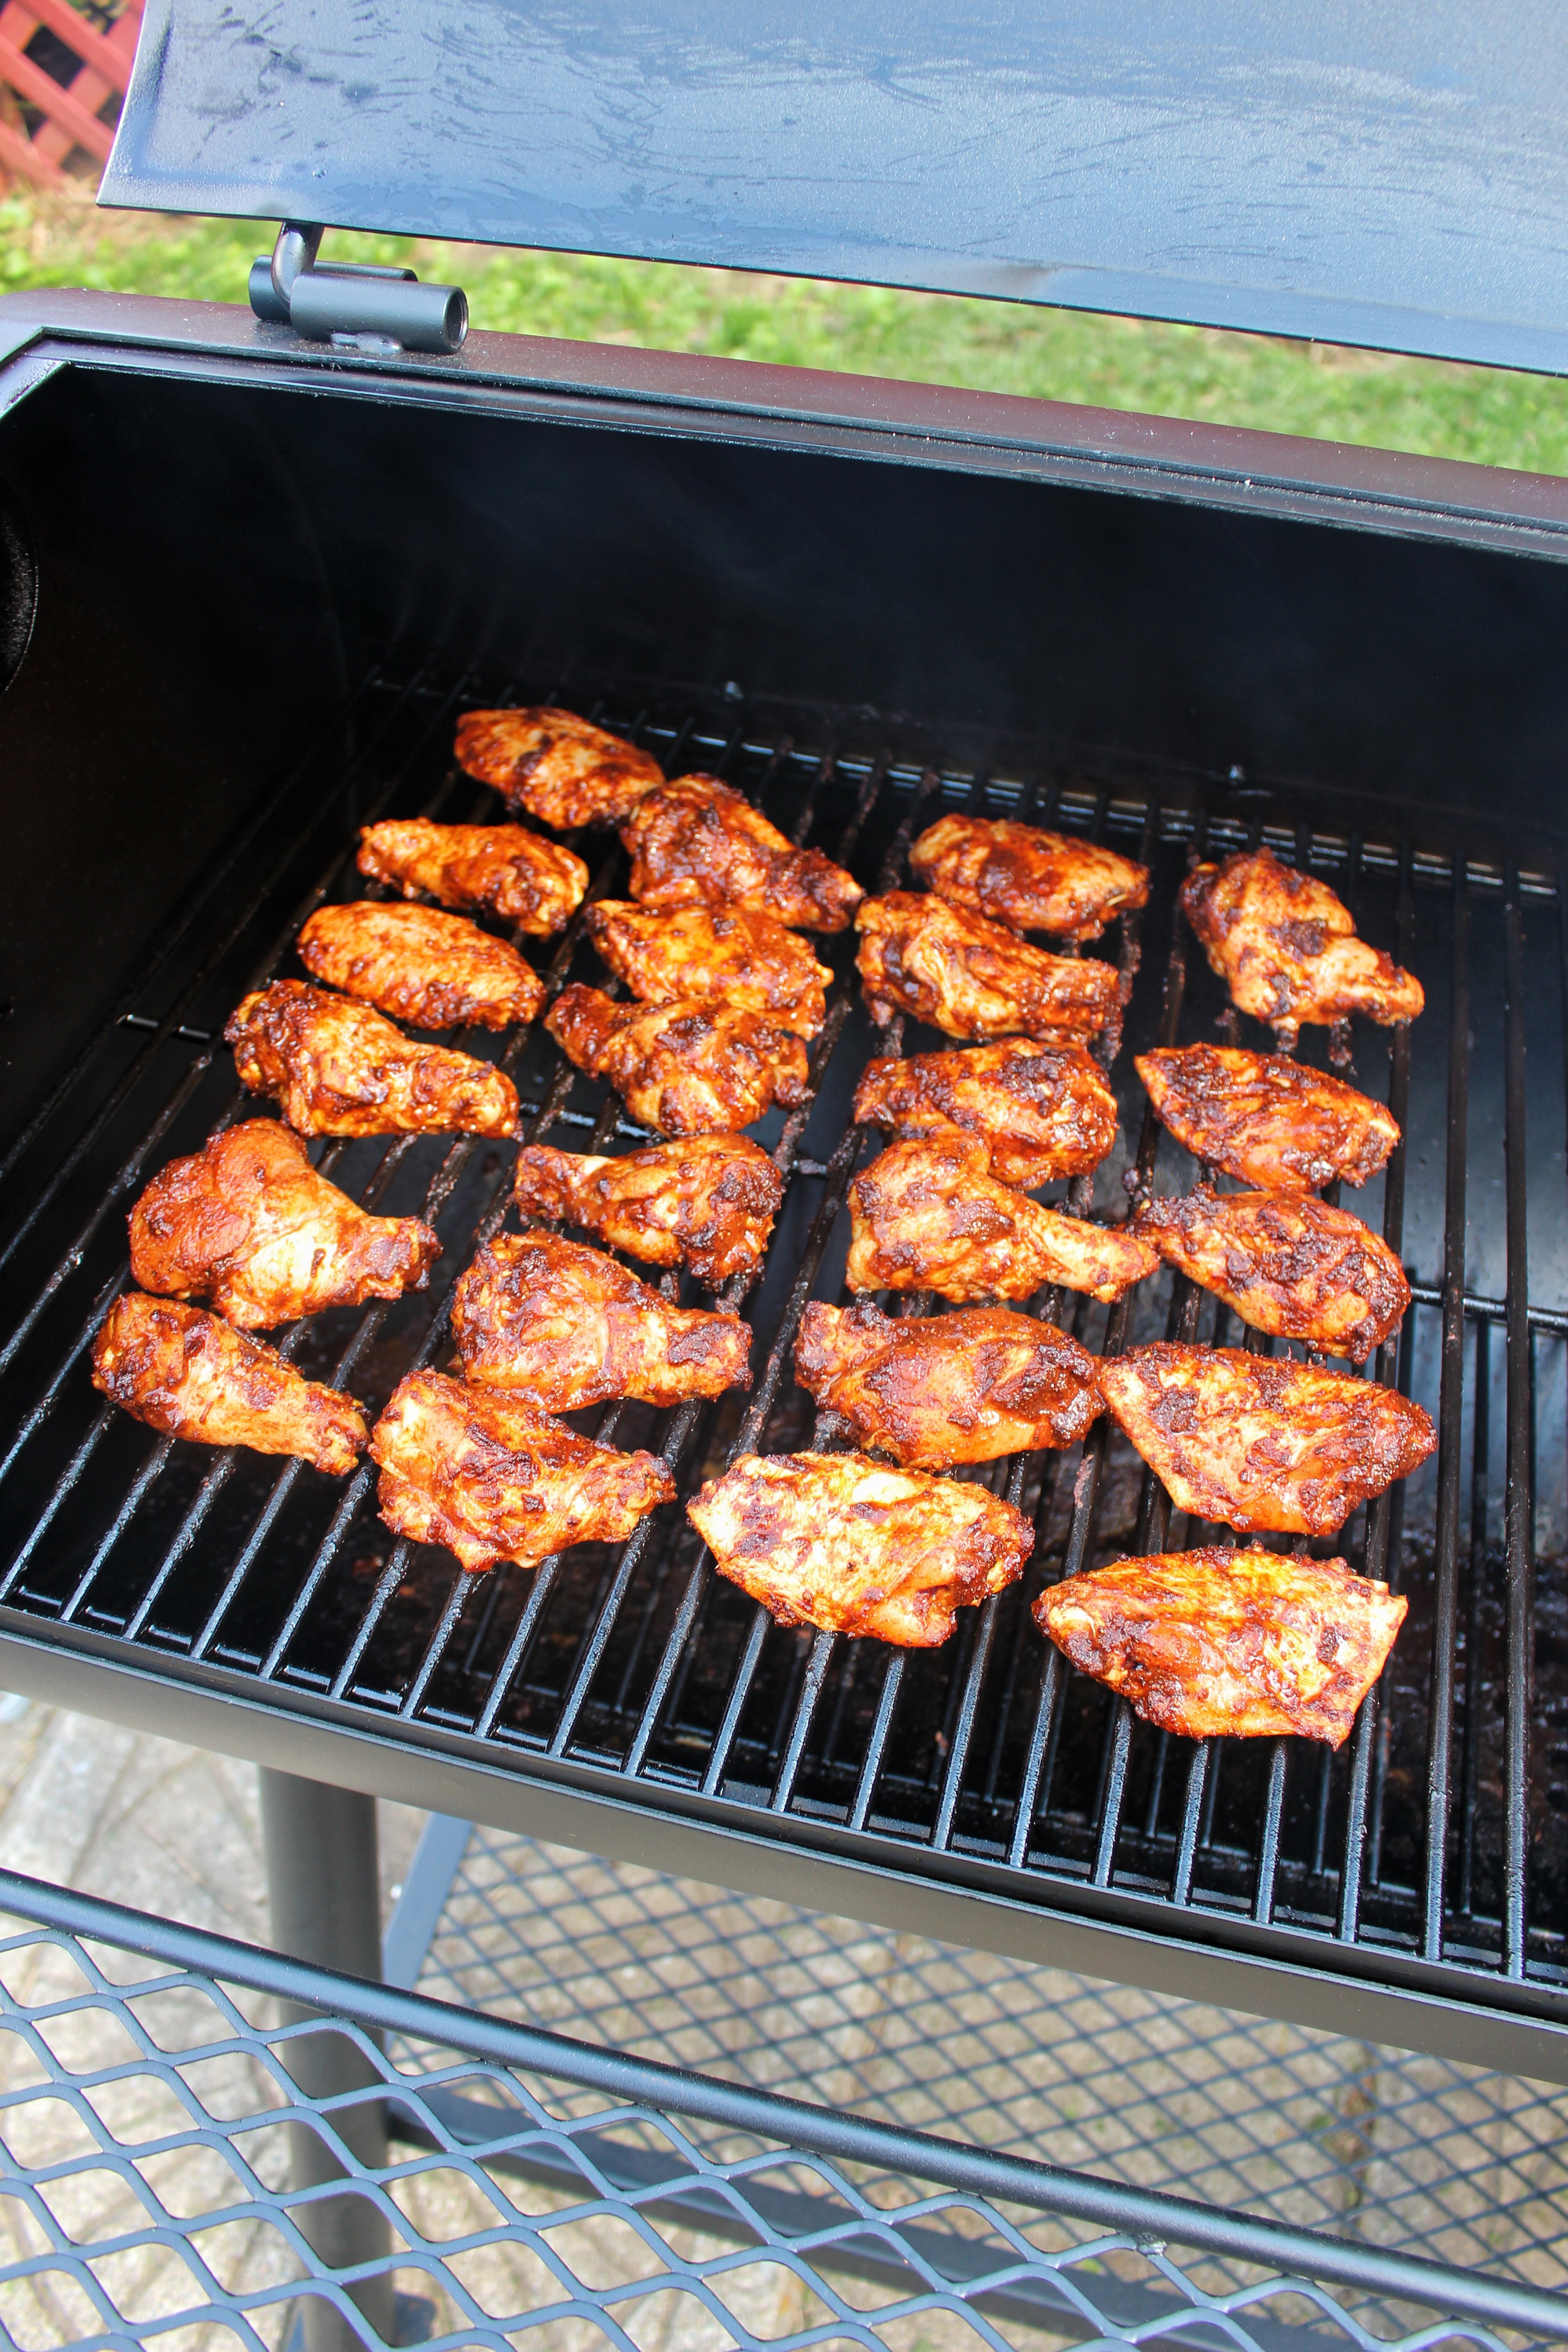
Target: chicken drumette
{"type": "Point", "coordinates": [504, 869]}
{"type": "Point", "coordinates": [972, 978]}
{"type": "Point", "coordinates": [1261, 1444]}
{"type": "Point", "coordinates": [421, 964]}
{"type": "Point", "coordinates": [686, 1068]}
{"type": "Point", "coordinates": [837, 1541]}
{"type": "Point", "coordinates": [1043, 1111]}
{"type": "Point", "coordinates": [1286, 1263]}
{"type": "Point", "coordinates": [707, 1202]}
{"type": "Point", "coordinates": [928, 1216]}
{"type": "Point", "coordinates": [559, 768]}
{"type": "Point", "coordinates": [248, 1224]}
{"type": "Point", "coordinates": [339, 1068]}
{"type": "Point", "coordinates": [189, 1374]}
{"type": "Point", "coordinates": [728, 955]}
{"type": "Point", "coordinates": [1266, 1119]}
{"type": "Point", "coordinates": [698, 844]}
{"type": "Point", "coordinates": [1030, 879]}
{"type": "Point", "coordinates": [938, 1390]}
{"type": "Point", "coordinates": [1238, 1643]}
{"type": "Point", "coordinates": [493, 1478]}
{"type": "Point", "coordinates": [566, 1326]}
{"type": "Point", "coordinates": [1288, 948]}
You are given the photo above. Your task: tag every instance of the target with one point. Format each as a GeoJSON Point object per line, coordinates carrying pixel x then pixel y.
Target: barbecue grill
{"type": "Point", "coordinates": [252, 579]}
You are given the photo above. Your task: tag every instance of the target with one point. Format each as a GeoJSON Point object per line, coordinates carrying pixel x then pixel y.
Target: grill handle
{"type": "Point", "coordinates": [351, 303]}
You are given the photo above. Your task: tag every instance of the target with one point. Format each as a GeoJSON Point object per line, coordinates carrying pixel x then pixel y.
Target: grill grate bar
{"type": "Point", "coordinates": [1269, 1844]}
{"type": "Point", "coordinates": [1470, 1769]}
{"type": "Point", "coordinates": [1519, 1516]}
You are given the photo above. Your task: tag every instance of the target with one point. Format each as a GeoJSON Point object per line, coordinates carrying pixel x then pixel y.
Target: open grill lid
{"type": "Point", "coordinates": [1389, 177]}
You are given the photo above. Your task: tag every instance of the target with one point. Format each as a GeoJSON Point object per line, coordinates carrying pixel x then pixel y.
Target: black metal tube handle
{"type": "Point", "coordinates": [325, 301]}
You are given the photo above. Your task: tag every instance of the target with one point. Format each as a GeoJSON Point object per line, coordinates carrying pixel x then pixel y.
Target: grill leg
{"type": "Point", "coordinates": [325, 1895]}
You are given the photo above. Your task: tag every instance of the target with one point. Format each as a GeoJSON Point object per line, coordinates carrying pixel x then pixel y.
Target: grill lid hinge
{"type": "Point", "coordinates": [351, 304]}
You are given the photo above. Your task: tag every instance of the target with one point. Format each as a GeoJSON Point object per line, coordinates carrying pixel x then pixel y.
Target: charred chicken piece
{"type": "Point", "coordinates": [697, 843]}
{"type": "Point", "coordinates": [190, 1375]}
{"type": "Point", "coordinates": [944, 1389]}
{"type": "Point", "coordinates": [337, 1068]}
{"type": "Point", "coordinates": [503, 869]}
{"type": "Point", "coordinates": [729, 955]}
{"type": "Point", "coordinates": [928, 1216]}
{"type": "Point", "coordinates": [1266, 1119]}
{"type": "Point", "coordinates": [1027, 878]}
{"type": "Point", "coordinates": [566, 1326]}
{"type": "Point", "coordinates": [1288, 948]}
{"type": "Point", "coordinates": [421, 964]}
{"type": "Point", "coordinates": [559, 768]}
{"type": "Point", "coordinates": [974, 979]}
{"type": "Point", "coordinates": [1286, 1263]}
{"type": "Point", "coordinates": [707, 1203]}
{"type": "Point", "coordinates": [1217, 1644]}
{"type": "Point", "coordinates": [837, 1541]}
{"type": "Point", "coordinates": [1043, 1111]}
{"type": "Point", "coordinates": [248, 1224]}
{"type": "Point", "coordinates": [1261, 1444]}
{"type": "Point", "coordinates": [686, 1067]}
{"type": "Point", "coordinates": [494, 1478]}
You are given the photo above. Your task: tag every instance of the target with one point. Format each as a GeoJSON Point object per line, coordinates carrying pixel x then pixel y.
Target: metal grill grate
{"type": "Point", "coordinates": [1431, 1851]}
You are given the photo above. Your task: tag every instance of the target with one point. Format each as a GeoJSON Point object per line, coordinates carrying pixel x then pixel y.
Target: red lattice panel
{"type": "Point", "coordinates": [71, 112]}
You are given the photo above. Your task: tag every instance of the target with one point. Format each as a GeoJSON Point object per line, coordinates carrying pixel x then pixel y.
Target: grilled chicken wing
{"type": "Point", "coordinates": [1022, 876]}
{"type": "Point", "coordinates": [507, 871]}
{"type": "Point", "coordinates": [1288, 948]}
{"type": "Point", "coordinates": [1266, 1446]}
{"type": "Point", "coordinates": [420, 964]}
{"type": "Point", "coordinates": [1266, 1119]}
{"type": "Point", "coordinates": [928, 1216]}
{"type": "Point", "coordinates": [1286, 1263]}
{"type": "Point", "coordinates": [729, 955]}
{"type": "Point", "coordinates": [248, 1224]}
{"type": "Point", "coordinates": [337, 1068]}
{"type": "Point", "coordinates": [686, 1068]}
{"type": "Point", "coordinates": [559, 768]}
{"type": "Point", "coordinates": [566, 1326]}
{"type": "Point", "coordinates": [834, 1540]}
{"type": "Point", "coordinates": [943, 1389]}
{"type": "Point", "coordinates": [493, 1478]}
{"type": "Point", "coordinates": [698, 844]}
{"type": "Point", "coordinates": [707, 1203]}
{"type": "Point", "coordinates": [1044, 1111]}
{"type": "Point", "coordinates": [1244, 1644]}
{"type": "Point", "coordinates": [971, 978]}
{"type": "Point", "coordinates": [190, 1375]}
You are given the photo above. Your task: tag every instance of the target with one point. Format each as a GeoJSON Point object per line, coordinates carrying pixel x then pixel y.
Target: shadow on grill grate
{"type": "Point", "coordinates": [1436, 1835]}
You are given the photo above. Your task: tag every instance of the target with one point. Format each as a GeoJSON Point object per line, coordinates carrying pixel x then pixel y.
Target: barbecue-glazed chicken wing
{"type": "Point", "coordinates": [1216, 1643]}
{"type": "Point", "coordinates": [1266, 1119]}
{"type": "Point", "coordinates": [926, 1215]}
{"type": "Point", "coordinates": [421, 964]}
{"type": "Point", "coordinates": [191, 1375]}
{"type": "Point", "coordinates": [566, 1326]}
{"type": "Point", "coordinates": [687, 1068]}
{"type": "Point", "coordinates": [837, 1541]}
{"type": "Point", "coordinates": [1260, 1444]}
{"type": "Point", "coordinates": [938, 1390]}
{"type": "Point", "coordinates": [246, 1224]}
{"type": "Point", "coordinates": [494, 1478]}
{"type": "Point", "coordinates": [1288, 948]}
{"type": "Point", "coordinates": [559, 768]}
{"type": "Point", "coordinates": [726, 955]}
{"type": "Point", "coordinates": [503, 869]}
{"type": "Point", "coordinates": [1286, 1263]}
{"type": "Point", "coordinates": [337, 1068]}
{"type": "Point", "coordinates": [707, 1202]}
{"type": "Point", "coordinates": [1043, 1111]}
{"type": "Point", "coordinates": [698, 844]}
{"type": "Point", "coordinates": [973, 979]}
{"type": "Point", "coordinates": [1027, 878]}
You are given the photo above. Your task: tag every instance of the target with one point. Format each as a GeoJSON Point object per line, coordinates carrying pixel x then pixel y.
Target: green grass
{"type": "Point", "coordinates": [1487, 415]}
